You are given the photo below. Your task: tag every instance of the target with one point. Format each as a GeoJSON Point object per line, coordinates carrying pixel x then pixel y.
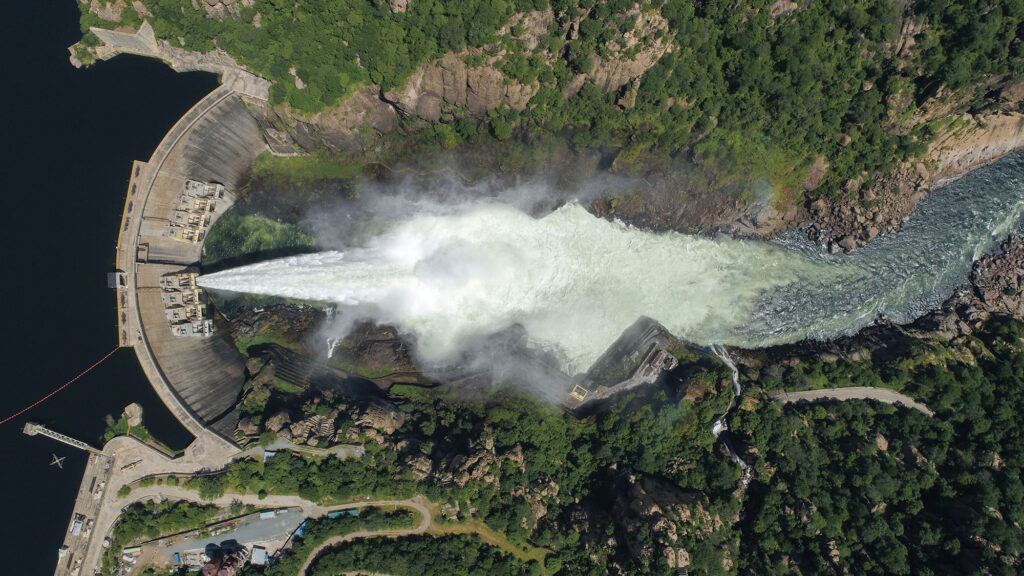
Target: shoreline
{"type": "Point", "coordinates": [846, 225]}
{"type": "Point", "coordinates": [209, 444]}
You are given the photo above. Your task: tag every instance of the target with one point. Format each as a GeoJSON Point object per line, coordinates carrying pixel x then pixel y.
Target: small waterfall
{"type": "Point", "coordinates": [720, 429]}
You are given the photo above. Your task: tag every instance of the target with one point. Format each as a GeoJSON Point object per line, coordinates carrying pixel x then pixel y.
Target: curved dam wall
{"type": "Point", "coordinates": [199, 378]}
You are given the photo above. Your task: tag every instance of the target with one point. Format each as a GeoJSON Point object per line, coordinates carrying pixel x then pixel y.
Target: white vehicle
{"type": "Point", "coordinates": [76, 525]}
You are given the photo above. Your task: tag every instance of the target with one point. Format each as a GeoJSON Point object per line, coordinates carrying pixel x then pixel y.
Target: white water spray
{"type": "Point", "coordinates": [575, 282]}
{"type": "Point", "coordinates": [720, 425]}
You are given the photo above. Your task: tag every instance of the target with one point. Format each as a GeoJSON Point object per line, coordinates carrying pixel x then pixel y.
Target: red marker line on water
{"type": "Point", "coordinates": [66, 384]}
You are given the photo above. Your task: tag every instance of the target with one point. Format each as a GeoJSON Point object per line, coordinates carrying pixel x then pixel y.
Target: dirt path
{"type": "Point", "coordinates": [489, 536]}
{"type": "Point", "coordinates": [314, 510]}
{"type": "Point", "coordinates": [852, 393]}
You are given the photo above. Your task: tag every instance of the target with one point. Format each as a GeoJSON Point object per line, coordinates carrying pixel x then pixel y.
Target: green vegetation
{"type": "Point", "coordinates": [334, 47]}
{"type": "Point", "coordinates": [298, 170]}
{"type": "Point", "coordinates": [867, 486]}
{"type": "Point", "coordinates": [243, 238]}
{"type": "Point", "coordinates": [889, 491]}
{"type": "Point", "coordinates": [892, 491]}
{"type": "Point", "coordinates": [746, 90]}
{"type": "Point", "coordinates": [286, 387]}
{"type": "Point", "coordinates": [209, 487]}
{"type": "Point", "coordinates": [319, 530]}
{"type": "Point", "coordinates": [422, 556]}
{"type": "Point", "coordinates": [361, 369]}
{"type": "Point", "coordinates": [651, 433]}
{"type": "Point", "coordinates": [815, 373]}
{"type": "Point", "coordinates": [152, 520]}
{"type": "Point", "coordinates": [120, 427]}
{"type": "Point", "coordinates": [271, 334]}
{"type": "Point", "coordinates": [238, 238]}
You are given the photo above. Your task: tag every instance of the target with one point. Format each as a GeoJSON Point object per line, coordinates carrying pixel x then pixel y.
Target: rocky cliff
{"type": "Point", "coordinates": [560, 50]}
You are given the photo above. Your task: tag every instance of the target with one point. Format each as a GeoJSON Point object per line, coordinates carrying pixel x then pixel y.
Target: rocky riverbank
{"type": "Point", "coordinates": [867, 211]}
{"type": "Point", "coordinates": [995, 288]}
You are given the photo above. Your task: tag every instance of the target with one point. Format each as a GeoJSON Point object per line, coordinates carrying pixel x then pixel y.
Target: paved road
{"type": "Point", "coordinates": [249, 529]}
{"type": "Point", "coordinates": [309, 509]}
{"type": "Point", "coordinates": [342, 451]}
{"type": "Point", "coordinates": [128, 460]}
{"type": "Point", "coordinates": [852, 393]}
{"type": "Point", "coordinates": [416, 504]}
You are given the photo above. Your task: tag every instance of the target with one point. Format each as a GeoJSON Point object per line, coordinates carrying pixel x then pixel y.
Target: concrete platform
{"type": "Point", "coordinates": [206, 373]}
{"type": "Point", "coordinates": [198, 378]}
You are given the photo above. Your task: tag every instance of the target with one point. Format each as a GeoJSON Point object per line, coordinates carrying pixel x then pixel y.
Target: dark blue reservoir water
{"type": "Point", "coordinates": [67, 141]}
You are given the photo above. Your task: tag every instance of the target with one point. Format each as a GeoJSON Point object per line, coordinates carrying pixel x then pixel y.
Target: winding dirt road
{"type": "Point", "coordinates": [853, 393]}
{"type": "Point", "coordinates": [426, 518]}
{"type": "Point", "coordinates": [309, 509]}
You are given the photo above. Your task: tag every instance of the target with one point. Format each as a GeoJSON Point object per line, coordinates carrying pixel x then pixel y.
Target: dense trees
{"type": "Point", "coordinates": [886, 491]}
{"type": "Point", "coordinates": [319, 530]}
{"type": "Point", "coordinates": [423, 556]}
{"type": "Point", "coordinates": [759, 92]}
{"type": "Point", "coordinates": [650, 431]}
{"type": "Point", "coordinates": [152, 520]}
{"type": "Point", "coordinates": [334, 47]}
{"type": "Point", "coordinates": [870, 487]}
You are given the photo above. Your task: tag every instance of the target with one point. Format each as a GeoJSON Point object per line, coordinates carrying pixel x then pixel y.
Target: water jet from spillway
{"type": "Point", "coordinates": [575, 282]}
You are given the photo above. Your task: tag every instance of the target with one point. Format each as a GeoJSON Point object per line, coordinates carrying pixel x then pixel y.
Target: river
{"type": "Point", "coordinates": [71, 134]}
{"type": "Point", "coordinates": [69, 139]}
{"type": "Point", "coordinates": [576, 282]}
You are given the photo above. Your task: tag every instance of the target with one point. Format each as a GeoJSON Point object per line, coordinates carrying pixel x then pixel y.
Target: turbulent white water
{"type": "Point", "coordinates": [575, 282]}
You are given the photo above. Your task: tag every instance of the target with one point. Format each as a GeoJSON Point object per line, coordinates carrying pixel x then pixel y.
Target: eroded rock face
{"type": "Point", "coordinates": [399, 5]}
{"type": "Point", "coordinates": [221, 9]}
{"type": "Point", "coordinates": [294, 321]}
{"type": "Point", "coordinates": [382, 416]}
{"type": "Point", "coordinates": [650, 39]}
{"type": "Point", "coordinates": [349, 125]}
{"type": "Point", "coordinates": [470, 79]}
{"type": "Point", "coordinates": [663, 510]}
{"type": "Point", "coordinates": [997, 280]}
{"type": "Point", "coordinates": [107, 10]}
{"type": "Point", "coordinates": [277, 422]}
{"type": "Point", "coordinates": [884, 205]}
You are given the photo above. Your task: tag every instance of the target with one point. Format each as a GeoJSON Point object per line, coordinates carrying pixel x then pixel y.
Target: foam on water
{"type": "Point", "coordinates": [575, 282]}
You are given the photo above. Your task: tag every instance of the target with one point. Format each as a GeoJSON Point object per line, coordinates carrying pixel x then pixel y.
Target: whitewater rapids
{"type": "Point", "coordinates": [575, 282]}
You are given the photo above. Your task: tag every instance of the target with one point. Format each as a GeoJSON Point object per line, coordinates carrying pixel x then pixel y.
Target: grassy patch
{"type": "Point", "coordinates": [490, 536]}
{"type": "Point", "coordinates": [269, 335]}
{"type": "Point", "coordinates": [286, 387]}
{"type": "Point", "coordinates": [238, 239]}
{"type": "Point", "coordinates": [364, 370]}
{"type": "Point", "coordinates": [316, 167]}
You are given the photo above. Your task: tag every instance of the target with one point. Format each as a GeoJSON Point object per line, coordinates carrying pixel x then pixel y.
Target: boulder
{"type": "Point", "coordinates": [247, 427]}
{"type": "Point", "coordinates": [133, 412]}
{"type": "Point", "coordinates": [278, 421]}
{"type": "Point", "coordinates": [382, 416]}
